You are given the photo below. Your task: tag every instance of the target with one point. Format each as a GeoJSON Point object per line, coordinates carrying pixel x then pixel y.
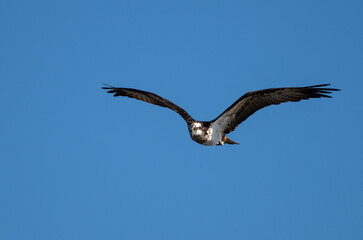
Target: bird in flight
{"type": "Point", "coordinates": [214, 132]}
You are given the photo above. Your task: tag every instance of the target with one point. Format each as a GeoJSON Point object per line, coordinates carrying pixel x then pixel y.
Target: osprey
{"type": "Point", "coordinates": [214, 132]}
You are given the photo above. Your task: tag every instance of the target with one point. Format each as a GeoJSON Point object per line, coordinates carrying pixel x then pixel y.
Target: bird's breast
{"type": "Point", "coordinates": [207, 137]}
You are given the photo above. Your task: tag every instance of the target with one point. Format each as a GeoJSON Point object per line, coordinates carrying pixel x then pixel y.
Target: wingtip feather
{"type": "Point", "coordinates": [108, 86]}
{"type": "Point", "coordinates": [321, 87]}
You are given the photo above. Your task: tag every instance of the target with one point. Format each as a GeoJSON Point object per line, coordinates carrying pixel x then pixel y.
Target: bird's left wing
{"type": "Point", "coordinates": [253, 101]}
{"type": "Point", "coordinates": [149, 98]}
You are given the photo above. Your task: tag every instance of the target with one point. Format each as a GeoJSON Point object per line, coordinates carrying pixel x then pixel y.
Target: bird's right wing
{"type": "Point", "coordinates": [149, 98]}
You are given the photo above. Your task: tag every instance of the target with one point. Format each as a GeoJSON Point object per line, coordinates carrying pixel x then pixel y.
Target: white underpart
{"type": "Point", "coordinates": [211, 137]}
{"type": "Point", "coordinates": [214, 134]}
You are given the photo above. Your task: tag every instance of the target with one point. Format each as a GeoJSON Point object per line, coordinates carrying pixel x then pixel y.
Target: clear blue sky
{"type": "Point", "coordinates": [77, 163]}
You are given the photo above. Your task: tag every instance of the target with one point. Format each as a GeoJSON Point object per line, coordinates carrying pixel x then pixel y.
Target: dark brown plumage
{"type": "Point", "coordinates": [213, 132]}
{"type": "Point", "coordinates": [149, 98]}
{"type": "Point", "coordinates": [249, 103]}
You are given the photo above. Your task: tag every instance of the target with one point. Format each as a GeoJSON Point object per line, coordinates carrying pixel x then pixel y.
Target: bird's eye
{"type": "Point", "coordinates": [195, 129]}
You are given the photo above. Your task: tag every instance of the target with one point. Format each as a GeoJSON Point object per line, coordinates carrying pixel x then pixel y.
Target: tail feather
{"type": "Point", "coordinates": [229, 141]}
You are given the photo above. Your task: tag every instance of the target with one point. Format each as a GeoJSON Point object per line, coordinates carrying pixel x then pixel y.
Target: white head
{"type": "Point", "coordinates": [195, 129]}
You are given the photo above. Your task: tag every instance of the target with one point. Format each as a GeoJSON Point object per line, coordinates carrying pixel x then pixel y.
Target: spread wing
{"type": "Point", "coordinates": [149, 98]}
{"type": "Point", "coordinates": [253, 101]}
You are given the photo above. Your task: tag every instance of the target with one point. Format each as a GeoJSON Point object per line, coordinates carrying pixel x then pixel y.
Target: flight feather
{"type": "Point", "coordinates": [250, 102]}
{"type": "Point", "coordinates": [149, 98]}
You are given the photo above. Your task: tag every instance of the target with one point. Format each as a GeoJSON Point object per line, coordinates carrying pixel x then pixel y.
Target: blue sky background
{"type": "Point", "coordinates": [77, 163]}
